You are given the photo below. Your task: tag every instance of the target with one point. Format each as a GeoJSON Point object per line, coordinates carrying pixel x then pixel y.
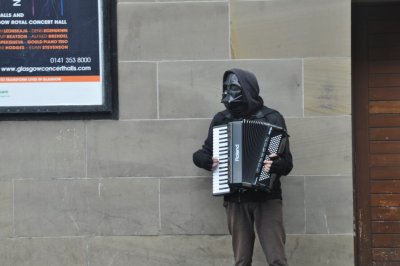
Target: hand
{"type": "Point", "coordinates": [268, 163]}
{"type": "Point", "coordinates": [215, 163]}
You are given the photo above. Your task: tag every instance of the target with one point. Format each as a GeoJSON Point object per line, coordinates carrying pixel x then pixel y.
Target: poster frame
{"type": "Point", "coordinates": [109, 108]}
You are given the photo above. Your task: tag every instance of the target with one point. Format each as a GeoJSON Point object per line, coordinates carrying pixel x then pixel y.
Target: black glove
{"type": "Point", "coordinates": [202, 160]}
{"type": "Point", "coordinates": [277, 166]}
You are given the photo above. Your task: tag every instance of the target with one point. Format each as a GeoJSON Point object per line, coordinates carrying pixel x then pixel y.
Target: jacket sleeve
{"type": "Point", "coordinates": [283, 165]}
{"type": "Point", "coordinates": [203, 157]}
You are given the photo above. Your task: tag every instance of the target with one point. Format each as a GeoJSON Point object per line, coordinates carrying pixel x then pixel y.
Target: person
{"type": "Point", "coordinates": [250, 210]}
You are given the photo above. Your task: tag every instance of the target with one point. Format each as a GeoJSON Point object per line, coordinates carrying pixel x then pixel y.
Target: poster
{"type": "Point", "coordinates": [51, 53]}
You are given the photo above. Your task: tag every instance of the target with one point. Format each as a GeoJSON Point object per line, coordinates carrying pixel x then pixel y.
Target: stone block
{"type": "Point", "coordinates": [42, 150]}
{"type": "Point", "coordinates": [301, 250]}
{"type": "Point", "coordinates": [56, 207]}
{"type": "Point", "coordinates": [173, 30]}
{"type": "Point", "coordinates": [320, 250]}
{"type": "Point", "coordinates": [129, 206]}
{"type": "Point", "coordinates": [137, 90]}
{"type": "Point", "coordinates": [86, 207]}
{"type": "Point", "coordinates": [147, 148]}
{"type": "Point", "coordinates": [43, 251]}
{"type": "Point", "coordinates": [321, 145]}
{"type": "Point", "coordinates": [6, 209]}
{"type": "Point", "coordinates": [276, 29]}
{"type": "Point", "coordinates": [162, 250]}
{"type": "Point", "coordinates": [327, 86]}
{"type": "Point", "coordinates": [294, 209]}
{"type": "Point", "coordinates": [329, 205]}
{"type": "Point", "coordinates": [194, 89]}
{"type": "Point", "coordinates": [188, 207]}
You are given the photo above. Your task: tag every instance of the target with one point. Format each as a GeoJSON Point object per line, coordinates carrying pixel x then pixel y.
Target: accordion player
{"type": "Point", "coordinates": [241, 148]}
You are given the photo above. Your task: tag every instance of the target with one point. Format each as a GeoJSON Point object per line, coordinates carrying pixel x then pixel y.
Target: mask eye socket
{"type": "Point", "coordinates": [233, 90]}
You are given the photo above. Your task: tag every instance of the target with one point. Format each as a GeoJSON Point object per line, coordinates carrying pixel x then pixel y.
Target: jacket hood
{"type": "Point", "coordinates": [250, 90]}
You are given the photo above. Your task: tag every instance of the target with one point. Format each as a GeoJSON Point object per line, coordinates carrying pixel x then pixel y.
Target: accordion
{"type": "Point", "coordinates": [242, 147]}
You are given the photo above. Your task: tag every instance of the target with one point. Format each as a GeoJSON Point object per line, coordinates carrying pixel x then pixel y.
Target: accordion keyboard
{"type": "Point", "coordinates": [220, 151]}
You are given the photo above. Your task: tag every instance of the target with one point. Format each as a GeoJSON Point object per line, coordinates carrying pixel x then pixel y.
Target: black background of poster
{"type": "Point", "coordinates": [109, 108]}
{"type": "Point", "coordinates": [82, 24]}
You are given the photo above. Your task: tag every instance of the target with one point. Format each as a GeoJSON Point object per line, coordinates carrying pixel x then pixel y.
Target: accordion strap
{"type": "Point", "coordinates": [227, 114]}
{"type": "Point", "coordinates": [260, 114]}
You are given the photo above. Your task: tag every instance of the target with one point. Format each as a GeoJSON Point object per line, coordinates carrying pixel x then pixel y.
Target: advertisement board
{"type": "Point", "coordinates": [52, 56]}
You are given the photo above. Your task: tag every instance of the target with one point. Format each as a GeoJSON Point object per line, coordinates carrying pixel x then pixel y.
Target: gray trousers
{"type": "Point", "coordinates": [266, 219]}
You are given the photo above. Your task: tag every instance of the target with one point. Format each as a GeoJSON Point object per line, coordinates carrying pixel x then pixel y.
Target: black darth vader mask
{"type": "Point", "coordinates": [232, 95]}
{"type": "Point", "coordinates": [232, 91]}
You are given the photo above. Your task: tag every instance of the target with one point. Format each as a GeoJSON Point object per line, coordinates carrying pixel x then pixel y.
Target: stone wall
{"type": "Point", "coordinates": [126, 192]}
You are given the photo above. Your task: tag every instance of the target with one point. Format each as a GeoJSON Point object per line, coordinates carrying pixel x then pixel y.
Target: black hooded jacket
{"type": "Point", "coordinates": [255, 111]}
